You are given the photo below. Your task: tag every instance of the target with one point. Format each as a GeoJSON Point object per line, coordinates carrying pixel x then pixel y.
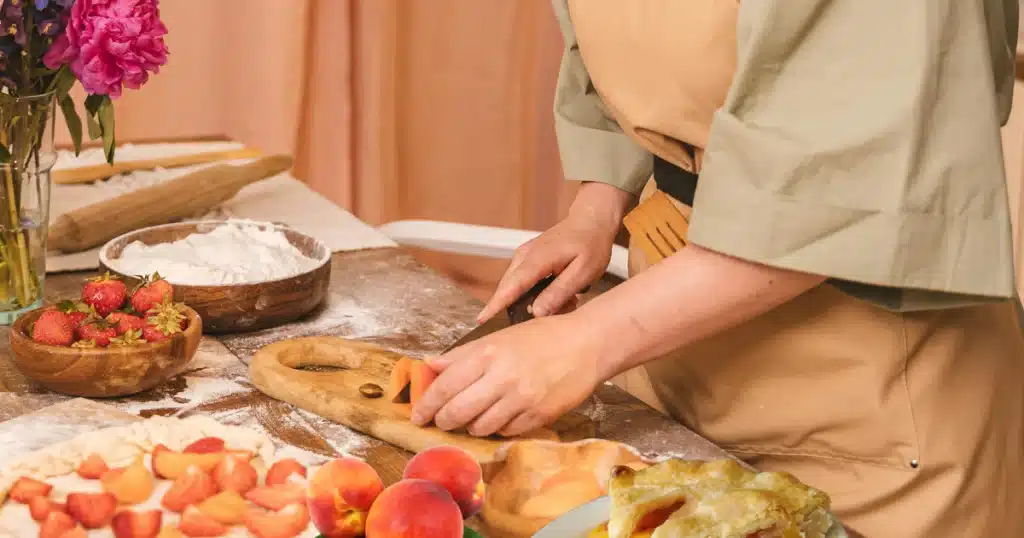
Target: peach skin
{"type": "Point", "coordinates": [340, 495]}
{"type": "Point", "coordinates": [453, 469]}
{"type": "Point", "coordinates": [414, 508]}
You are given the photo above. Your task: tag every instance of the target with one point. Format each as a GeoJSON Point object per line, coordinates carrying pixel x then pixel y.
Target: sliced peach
{"type": "Point", "coordinates": [435, 514]}
{"type": "Point", "coordinates": [197, 525]}
{"type": "Point", "coordinates": [421, 376]}
{"type": "Point", "coordinates": [227, 507]}
{"type": "Point", "coordinates": [398, 383]}
{"type": "Point", "coordinates": [25, 489]}
{"type": "Point", "coordinates": [92, 467]}
{"type": "Point", "coordinates": [131, 485]}
{"type": "Point", "coordinates": [170, 532]}
{"type": "Point", "coordinates": [235, 474]}
{"type": "Point", "coordinates": [277, 497]}
{"type": "Point", "coordinates": [40, 507]}
{"type": "Point", "coordinates": [92, 510]}
{"type": "Point", "coordinates": [192, 487]}
{"type": "Point", "coordinates": [170, 464]}
{"type": "Point", "coordinates": [129, 524]}
{"type": "Point", "coordinates": [206, 445]}
{"type": "Point", "coordinates": [340, 494]}
{"type": "Point", "coordinates": [281, 470]}
{"type": "Point", "coordinates": [56, 524]}
{"type": "Point", "coordinates": [286, 523]}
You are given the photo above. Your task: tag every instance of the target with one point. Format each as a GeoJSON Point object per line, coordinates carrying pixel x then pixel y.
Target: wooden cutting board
{"type": "Point", "coordinates": [323, 374]}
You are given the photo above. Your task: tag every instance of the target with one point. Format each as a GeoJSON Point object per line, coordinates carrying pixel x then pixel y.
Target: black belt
{"type": "Point", "coordinates": [674, 181]}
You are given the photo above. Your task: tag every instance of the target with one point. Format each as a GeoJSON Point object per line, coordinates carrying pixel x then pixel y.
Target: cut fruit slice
{"type": "Point", "coordinates": [56, 524]}
{"type": "Point", "coordinates": [25, 489]}
{"type": "Point", "coordinates": [193, 487]}
{"type": "Point", "coordinates": [170, 464]}
{"type": "Point", "coordinates": [195, 524]}
{"type": "Point", "coordinates": [227, 507]}
{"type": "Point", "coordinates": [129, 524]}
{"type": "Point", "coordinates": [235, 474]}
{"type": "Point", "coordinates": [206, 445]}
{"type": "Point", "coordinates": [131, 485]}
{"type": "Point", "coordinates": [92, 510]}
{"type": "Point", "coordinates": [40, 507]}
{"type": "Point", "coordinates": [281, 470]}
{"type": "Point", "coordinates": [277, 497]}
{"type": "Point", "coordinates": [286, 523]}
{"type": "Point", "coordinates": [409, 380]}
{"type": "Point", "coordinates": [92, 467]}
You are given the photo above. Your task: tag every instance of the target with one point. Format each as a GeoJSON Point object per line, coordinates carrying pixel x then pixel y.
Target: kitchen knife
{"type": "Point", "coordinates": [517, 312]}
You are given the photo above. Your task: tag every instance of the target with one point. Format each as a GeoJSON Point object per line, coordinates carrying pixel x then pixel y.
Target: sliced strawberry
{"type": "Point", "coordinates": [281, 470]}
{"type": "Point", "coordinates": [235, 474]}
{"type": "Point", "coordinates": [195, 524]}
{"type": "Point", "coordinates": [192, 487]}
{"type": "Point", "coordinates": [25, 488]}
{"type": "Point", "coordinates": [92, 467]}
{"type": "Point", "coordinates": [56, 524]}
{"type": "Point", "coordinates": [92, 510]}
{"type": "Point", "coordinates": [53, 328]}
{"type": "Point", "coordinates": [277, 497]}
{"type": "Point", "coordinates": [40, 507]}
{"type": "Point", "coordinates": [77, 532]}
{"type": "Point", "coordinates": [206, 445]}
{"type": "Point", "coordinates": [129, 524]}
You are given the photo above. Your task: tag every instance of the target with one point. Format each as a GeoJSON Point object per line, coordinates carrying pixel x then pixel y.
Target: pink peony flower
{"type": "Point", "coordinates": [111, 44]}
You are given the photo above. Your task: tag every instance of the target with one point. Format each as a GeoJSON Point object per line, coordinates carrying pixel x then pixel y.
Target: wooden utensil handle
{"type": "Point", "coordinates": [88, 174]}
{"type": "Point", "coordinates": [164, 202]}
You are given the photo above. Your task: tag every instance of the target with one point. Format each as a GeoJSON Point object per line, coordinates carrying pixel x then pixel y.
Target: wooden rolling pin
{"type": "Point", "coordinates": [88, 174]}
{"type": "Point", "coordinates": [162, 203]}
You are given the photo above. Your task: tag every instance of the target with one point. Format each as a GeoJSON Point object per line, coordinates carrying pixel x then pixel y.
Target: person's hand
{"type": "Point", "coordinates": [577, 249]}
{"type": "Point", "coordinates": [512, 381]}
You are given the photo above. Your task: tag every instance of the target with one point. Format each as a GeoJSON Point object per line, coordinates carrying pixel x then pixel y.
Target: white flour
{"type": "Point", "coordinates": [239, 252]}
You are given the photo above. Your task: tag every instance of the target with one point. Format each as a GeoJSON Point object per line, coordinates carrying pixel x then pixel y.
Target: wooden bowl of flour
{"type": "Point", "coordinates": [228, 308]}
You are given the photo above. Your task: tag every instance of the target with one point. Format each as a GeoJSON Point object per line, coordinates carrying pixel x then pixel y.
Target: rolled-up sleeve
{"type": "Point", "coordinates": [860, 141]}
{"type": "Point", "coordinates": [591, 144]}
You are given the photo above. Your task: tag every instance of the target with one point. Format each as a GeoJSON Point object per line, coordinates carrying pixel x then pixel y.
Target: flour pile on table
{"type": "Point", "coordinates": [238, 252]}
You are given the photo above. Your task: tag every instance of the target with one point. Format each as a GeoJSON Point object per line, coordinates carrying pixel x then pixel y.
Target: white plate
{"type": "Point", "coordinates": [580, 521]}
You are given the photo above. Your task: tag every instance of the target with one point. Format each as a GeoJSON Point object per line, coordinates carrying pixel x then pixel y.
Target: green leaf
{"type": "Point", "coordinates": [5, 156]}
{"type": "Point", "coordinates": [67, 106]}
{"type": "Point", "coordinates": [93, 102]}
{"type": "Point", "coordinates": [470, 533]}
{"type": "Point", "coordinates": [106, 115]}
{"type": "Point", "coordinates": [92, 108]}
{"type": "Point", "coordinates": [64, 82]}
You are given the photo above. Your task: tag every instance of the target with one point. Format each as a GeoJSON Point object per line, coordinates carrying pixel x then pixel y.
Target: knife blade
{"type": "Point", "coordinates": [517, 312]}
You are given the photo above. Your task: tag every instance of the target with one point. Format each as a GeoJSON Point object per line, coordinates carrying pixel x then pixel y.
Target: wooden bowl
{"type": "Point", "coordinates": [532, 483]}
{"type": "Point", "coordinates": [103, 372]}
{"type": "Point", "coordinates": [236, 307]}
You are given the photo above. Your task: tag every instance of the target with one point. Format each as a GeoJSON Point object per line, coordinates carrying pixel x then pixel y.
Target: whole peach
{"type": "Point", "coordinates": [453, 469]}
{"type": "Point", "coordinates": [340, 495]}
{"type": "Point", "coordinates": [414, 508]}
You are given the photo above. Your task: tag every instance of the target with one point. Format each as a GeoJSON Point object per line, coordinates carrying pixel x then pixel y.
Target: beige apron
{"type": "Point", "coordinates": [912, 422]}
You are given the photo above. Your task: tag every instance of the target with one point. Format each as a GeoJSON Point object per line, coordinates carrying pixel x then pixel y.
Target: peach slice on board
{"type": "Point", "coordinates": [409, 380]}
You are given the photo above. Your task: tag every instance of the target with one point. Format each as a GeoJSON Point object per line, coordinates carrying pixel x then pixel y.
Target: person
{"type": "Point", "coordinates": [845, 306]}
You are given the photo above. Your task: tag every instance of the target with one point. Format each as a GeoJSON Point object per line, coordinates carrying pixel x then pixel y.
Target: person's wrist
{"type": "Point", "coordinates": [602, 351]}
{"type": "Point", "coordinates": [600, 204]}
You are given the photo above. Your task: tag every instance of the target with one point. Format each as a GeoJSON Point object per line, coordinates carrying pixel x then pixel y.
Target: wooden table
{"type": "Point", "coordinates": [383, 296]}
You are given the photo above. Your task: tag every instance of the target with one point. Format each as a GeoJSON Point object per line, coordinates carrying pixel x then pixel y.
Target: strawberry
{"type": "Point", "coordinates": [124, 322]}
{"type": "Point", "coordinates": [56, 525]}
{"type": "Point", "coordinates": [54, 328]}
{"type": "Point", "coordinates": [92, 510]}
{"type": "Point", "coordinates": [77, 311]}
{"type": "Point", "coordinates": [152, 291]}
{"type": "Point", "coordinates": [40, 507]}
{"type": "Point", "coordinates": [99, 331]}
{"type": "Point", "coordinates": [105, 294]}
{"type": "Point", "coordinates": [163, 324]}
{"type": "Point", "coordinates": [128, 339]}
{"type": "Point", "coordinates": [25, 489]}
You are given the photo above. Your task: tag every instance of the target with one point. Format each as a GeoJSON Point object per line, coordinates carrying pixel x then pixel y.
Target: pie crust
{"type": "Point", "coordinates": [123, 444]}
{"type": "Point", "coordinates": [718, 499]}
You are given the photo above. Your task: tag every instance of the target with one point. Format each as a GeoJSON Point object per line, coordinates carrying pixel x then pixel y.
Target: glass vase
{"type": "Point", "coordinates": [27, 155]}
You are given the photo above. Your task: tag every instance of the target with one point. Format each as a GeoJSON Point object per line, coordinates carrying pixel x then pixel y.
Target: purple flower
{"type": "Point", "coordinates": [111, 44]}
{"type": "Point", "coordinates": [12, 18]}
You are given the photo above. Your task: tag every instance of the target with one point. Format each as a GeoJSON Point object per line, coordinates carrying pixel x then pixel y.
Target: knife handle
{"type": "Point", "coordinates": [518, 311]}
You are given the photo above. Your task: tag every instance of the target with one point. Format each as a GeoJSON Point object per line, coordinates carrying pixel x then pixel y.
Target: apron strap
{"type": "Point", "coordinates": [675, 181]}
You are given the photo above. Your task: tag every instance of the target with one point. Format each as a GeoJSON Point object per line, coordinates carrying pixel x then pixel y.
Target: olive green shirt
{"type": "Point", "coordinates": [859, 140]}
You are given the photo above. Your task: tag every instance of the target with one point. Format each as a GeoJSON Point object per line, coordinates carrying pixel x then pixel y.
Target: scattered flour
{"type": "Point", "coordinates": [238, 252]}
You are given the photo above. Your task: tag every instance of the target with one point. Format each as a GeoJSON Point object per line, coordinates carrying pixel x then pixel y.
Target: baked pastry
{"type": "Point", "coordinates": [716, 499]}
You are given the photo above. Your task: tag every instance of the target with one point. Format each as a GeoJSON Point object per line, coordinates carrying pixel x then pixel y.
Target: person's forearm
{"type": "Point", "coordinates": [691, 295]}
{"type": "Point", "coordinates": [602, 204]}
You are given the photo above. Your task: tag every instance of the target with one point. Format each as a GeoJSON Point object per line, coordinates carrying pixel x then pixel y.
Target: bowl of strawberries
{"type": "Point", "coordinates": [113, 341]}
